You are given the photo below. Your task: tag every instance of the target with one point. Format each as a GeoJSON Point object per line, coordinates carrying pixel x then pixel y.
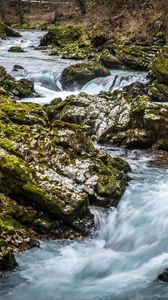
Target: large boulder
{"type": "Point", "coordinates": [75, 76]}
{"type": "Point", "coordinates": [16, 49]}
{"type": "Point", "coordinates": [50, 173]}
{"type": "Point", "coordinates": [118, 118]}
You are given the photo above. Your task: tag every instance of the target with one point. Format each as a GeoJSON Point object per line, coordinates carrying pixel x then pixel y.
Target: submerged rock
{"type": "Point", "coordinates": [163, 276]}
{"type": "Point", "coordinates": [17, 49]}
{"type": "Point", "coordinates": [77, 75]}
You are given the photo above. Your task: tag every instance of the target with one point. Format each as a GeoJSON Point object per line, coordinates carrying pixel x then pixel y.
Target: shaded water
{"type": "Point", "coordinates": [129, 248]}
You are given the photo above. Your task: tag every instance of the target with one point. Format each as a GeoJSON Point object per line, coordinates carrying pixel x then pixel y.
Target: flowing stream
{"type": "Point", "coordinates": [129, 247]}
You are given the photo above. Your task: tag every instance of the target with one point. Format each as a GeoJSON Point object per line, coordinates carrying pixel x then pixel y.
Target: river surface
{"type": "Point", "coordinates": [129, 247]}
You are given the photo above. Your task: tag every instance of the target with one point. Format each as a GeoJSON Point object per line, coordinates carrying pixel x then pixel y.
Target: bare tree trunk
{"type": "Point", "coordinates": [2, 10]}
{"type": "Point", "coordinates": [20, 11]}
{"type": "Point", "coordinates": [82, 6]}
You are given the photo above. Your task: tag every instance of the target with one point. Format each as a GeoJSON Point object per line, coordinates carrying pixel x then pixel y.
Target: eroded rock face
{"type": "Point", "coordinates": [51, 172]}
{"type": "Point", "coordinates": [118, 118]}
{"type": "Point", "coordinates": [76, 76]}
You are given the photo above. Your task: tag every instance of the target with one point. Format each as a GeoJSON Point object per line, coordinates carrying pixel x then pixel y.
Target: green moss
{"type": "Point", "coordinates": [16, 49]}
{"type": "Point", "coordinates": [61, 35]}
{"type": "Point", "coordinates": [159, 68]}
{"type": "Point", "coordinates": [79, 74]}
{"type": "Point", "coordinates": [6, 144]}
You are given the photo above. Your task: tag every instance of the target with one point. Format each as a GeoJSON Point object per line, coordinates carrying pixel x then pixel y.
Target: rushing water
{"type": "Point", "coordinates": [46, 70]}
{"type": "Point", "coordinates": [129, 248]}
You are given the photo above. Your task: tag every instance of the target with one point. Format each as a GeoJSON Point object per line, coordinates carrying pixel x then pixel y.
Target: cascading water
{"type": "Point", "coordinates": [46, 70]}
{"type": "Point", "coordinates": [129, 248]}
{"type": "Point", "coordinates": [122, 260]}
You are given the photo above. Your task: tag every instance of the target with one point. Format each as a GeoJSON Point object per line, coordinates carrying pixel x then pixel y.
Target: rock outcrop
{"type": "Point", "coordinates": [118, 118]}
{"type": "Point", "coordinates": [77, 42]}
{"type": "Point", "coordinates": [49, 174]}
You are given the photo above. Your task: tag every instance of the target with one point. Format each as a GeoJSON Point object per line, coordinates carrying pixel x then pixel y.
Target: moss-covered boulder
{"type": "Point", "coordinates": [118, 118]}
{"type": "Point", "coordinates": [69, 41]}
{"type": "Point", "coordinates": [75, 76]}
{"type": "Point", "coordinates": [7, 31]}
{"type": "Point", "coordinates": [16, 49]}
{"type": "Point", "coordinates": [18, 88]}
{"type": "Point", "coordinates": [159, 67]}
{"type": "Point", "coordinates": [50, 173]}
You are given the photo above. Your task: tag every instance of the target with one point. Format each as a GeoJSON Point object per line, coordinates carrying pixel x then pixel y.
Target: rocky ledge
{"type": "Point", "coordinates": [79, 42]}
{"type": "Point", "coordinates": [118, 118]}
{"type": "Point", "coordinates": [50, 173]}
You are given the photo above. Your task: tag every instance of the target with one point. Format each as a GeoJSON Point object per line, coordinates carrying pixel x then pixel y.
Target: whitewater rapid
{"type": "Point", "coordinates": [123, 257]}
{"type": "Point", "coordinates": [45, 70]}
{"type": "Point", "coordinates": [121, 260]}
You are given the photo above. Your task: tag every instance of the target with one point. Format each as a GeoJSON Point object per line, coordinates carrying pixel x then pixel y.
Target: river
{"type": "Point", "coordinates": [129, 247]}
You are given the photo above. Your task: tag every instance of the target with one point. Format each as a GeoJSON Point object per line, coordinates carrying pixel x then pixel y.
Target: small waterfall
{"type": "Point", "coordinates": [113, 82]}
{"type": "Point", "coordinates": [50, 80]}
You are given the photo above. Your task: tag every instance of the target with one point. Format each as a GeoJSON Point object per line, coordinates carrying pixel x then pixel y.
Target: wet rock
{"type": "Point", "coordinates": [136, 89]}
{"type": "Point", "coordinates": [118, 118]}
{"type": "Point", "coordinates": [16, 49]}
{"type": "Point", "coordinates": [20, 88]}
{"type": "Point", "coordinates": [17, 67]}
{"type": "Point", "coordinates": [77, 75]}
{"type": "Point", "coordinates": [163, 276]}
{"type": "Point", "coordinates": [7, 259]}
{"type": "Point", "coordinates": [50, 173]}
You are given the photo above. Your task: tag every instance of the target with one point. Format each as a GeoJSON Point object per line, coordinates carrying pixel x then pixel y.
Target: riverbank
{"type": "Point", "coordinates": [51, 172]}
